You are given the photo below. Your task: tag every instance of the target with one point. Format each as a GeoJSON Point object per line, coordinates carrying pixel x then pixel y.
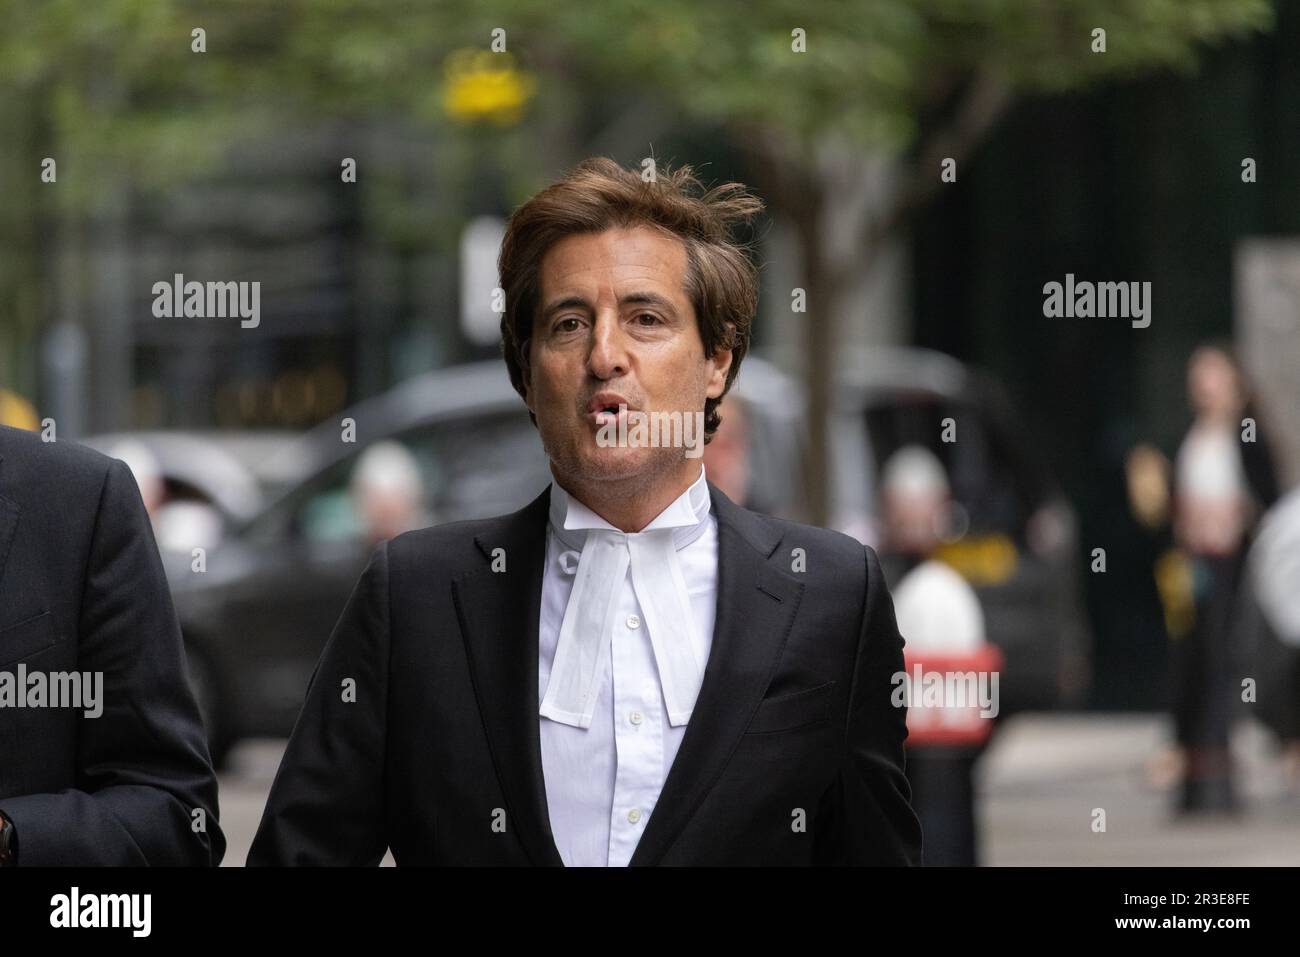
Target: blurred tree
{"type": "Point", "coordinates": [824, 94]}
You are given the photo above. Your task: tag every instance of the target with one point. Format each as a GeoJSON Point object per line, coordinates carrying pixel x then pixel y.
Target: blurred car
{"type": "Point", "coordinates": [257, 616]}
{"type": "Point", "coordinates": [258, 613]}
{"type": "Point", "coordinates": [1016, 537]}
{"type": "Point", "coordinates": [209, 482]}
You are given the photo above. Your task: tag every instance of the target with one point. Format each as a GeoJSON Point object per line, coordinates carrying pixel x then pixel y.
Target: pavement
{"type": "Point", "coordinates": [1039, 784]}
{"type": "Point", "coordinates": [1044, 775]}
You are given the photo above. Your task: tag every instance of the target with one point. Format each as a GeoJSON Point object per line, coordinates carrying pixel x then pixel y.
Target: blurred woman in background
{"type": "Point", "coordinates": [1222, 480]}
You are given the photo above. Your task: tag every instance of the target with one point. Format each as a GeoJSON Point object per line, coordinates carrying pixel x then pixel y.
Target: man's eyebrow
{"type": "Point", "coordinates": [648, 299]}
{"type": "Point", "coordinates": [633, 298]}
{"type": "Point", "coordinates": [568, 302]}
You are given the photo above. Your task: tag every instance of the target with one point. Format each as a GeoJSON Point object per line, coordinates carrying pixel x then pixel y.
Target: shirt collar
{"type": "Point", "coordinates": [687, 515]}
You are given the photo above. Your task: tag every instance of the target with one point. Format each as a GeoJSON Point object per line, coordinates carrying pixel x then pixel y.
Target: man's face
{"type": "Point", "coordinates": [614, 323]}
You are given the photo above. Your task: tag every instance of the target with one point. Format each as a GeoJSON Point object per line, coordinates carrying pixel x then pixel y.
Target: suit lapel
{"type": "Point", "coordinates": [8, 525]}
{"type": "Point", "coordinates": [499, 614]}
{"type": "Point", "coordinates": [756, 609]}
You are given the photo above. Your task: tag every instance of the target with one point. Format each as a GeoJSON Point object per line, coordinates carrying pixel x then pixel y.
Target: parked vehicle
{"type": "Point", "coordinates": [1019, 546]}
{"type": "Point", "coordinates": [256, 618]}
{"type": "Point", "coordinates": [212, 468]}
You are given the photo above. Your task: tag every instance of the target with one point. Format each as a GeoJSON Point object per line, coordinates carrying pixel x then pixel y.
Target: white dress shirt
{"type": "Point", "coordinates": [603, 781]}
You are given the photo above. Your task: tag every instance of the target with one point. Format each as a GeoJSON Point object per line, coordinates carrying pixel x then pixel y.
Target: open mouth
{"type": "Point", "coordinates": [606, 415]}
{"type": "Point", "coordinates": [604, 408]}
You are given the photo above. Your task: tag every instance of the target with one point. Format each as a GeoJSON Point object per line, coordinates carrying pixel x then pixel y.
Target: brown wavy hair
{"type": "Point", "coordinates": [599, 194]}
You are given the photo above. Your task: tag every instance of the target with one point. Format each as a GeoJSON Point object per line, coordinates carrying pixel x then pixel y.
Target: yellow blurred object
{"type": "Point", "coordinates": [981, 560]}
{"type": "Point", "coordinates": [1146, 471]}
{"type": "Point", "coordinates": [1174, 582]}
{"type": "Point", "coordinates": [485, 86]}
{"type": "Point", "coordinates": [18, 412]}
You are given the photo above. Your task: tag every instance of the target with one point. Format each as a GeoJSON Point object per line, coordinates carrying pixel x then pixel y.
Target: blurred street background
{"type": "Point", "coordinates": [1037, 789]}
{"type": "Point", "coordinates": [1106, 511]}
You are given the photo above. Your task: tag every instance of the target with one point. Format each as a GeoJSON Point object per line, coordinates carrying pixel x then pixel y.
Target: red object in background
{"type": "Point", "coordinates": [952, 724]}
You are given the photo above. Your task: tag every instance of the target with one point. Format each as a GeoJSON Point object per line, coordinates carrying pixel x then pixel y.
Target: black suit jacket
{"type": "Point", "coordinates": [793, 754]}
{"type": "Point", "coordinates": [82, 589]}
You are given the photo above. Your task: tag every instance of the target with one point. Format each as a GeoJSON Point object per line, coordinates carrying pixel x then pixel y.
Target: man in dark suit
{"type": "Point", "coordinates": [632, 669]}
{"type": "Point", "coordinates": [103, 758]}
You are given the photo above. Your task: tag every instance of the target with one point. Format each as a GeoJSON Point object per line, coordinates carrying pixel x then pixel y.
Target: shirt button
{"type": "Point", "coordinates": [633, 622]}
{"type": "Point", "coordinates": [635, 717]}
{"type": "Point", "coordinates": [634, 815]}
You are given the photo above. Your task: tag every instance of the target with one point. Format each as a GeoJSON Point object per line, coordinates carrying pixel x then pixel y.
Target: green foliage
{"type": "Point", "coordinates": [116, 79]}
{"type": "Point", "coordinates": [113, 91]}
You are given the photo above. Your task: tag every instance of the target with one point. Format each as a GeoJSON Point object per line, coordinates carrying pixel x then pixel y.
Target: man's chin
{"type": "Point", "coordinates": [614, 464]}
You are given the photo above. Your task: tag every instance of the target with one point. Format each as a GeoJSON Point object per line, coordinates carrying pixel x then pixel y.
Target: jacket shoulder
{"type": "Point", "coordinates": [30, 465]}
{"type": "Point", "coordinates": [437, 540]}
{"type": "Point", "coordinates": [831, 547]}
{"type": "Point", "coordinates": [454, 546]}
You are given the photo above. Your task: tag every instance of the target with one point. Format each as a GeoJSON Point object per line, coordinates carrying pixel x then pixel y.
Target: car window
{"type": "Point", "coordinates": [466, 468]}
{"type": "Point", "coordinates": [490, 467]}
{"type": "Point", "coordinates": [983, 473]}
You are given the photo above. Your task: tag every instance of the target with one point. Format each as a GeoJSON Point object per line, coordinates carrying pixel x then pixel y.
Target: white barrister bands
{"type": "Point", "coordinates": [584, 643]}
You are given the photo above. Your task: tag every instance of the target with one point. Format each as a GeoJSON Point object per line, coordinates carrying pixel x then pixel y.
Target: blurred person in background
{"type": "Point", "coordinates": [147, 473]}
{"type": "Point", "coordinates": [914, 504]}
{"type": "Point", "coordinates": [940, 618]}
{"type": "Point", "coordinates": [1274, 574]}
{"type": "Point", "coordinates": [178, 524]}
{"type": "Point", "coordinates": [726, 458]}
{"type": "Point", "coordinates": [1149, 488]}
{"type": "Point", "coordinates": [1222, 482]}
{"type": "Point", "coordinates": [387, 492]}
{"type": "Point", "coordinates": [1222, 478]}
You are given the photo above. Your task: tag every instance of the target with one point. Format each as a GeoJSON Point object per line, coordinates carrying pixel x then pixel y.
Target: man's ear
{"type": "Point", "coordinates": [721, 360]}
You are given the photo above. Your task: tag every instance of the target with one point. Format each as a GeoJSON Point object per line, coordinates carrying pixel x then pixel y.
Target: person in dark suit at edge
{"type": "Point", "coordinates": [121, 775]}
{"type": "Point", "coordinates": [632, 669]}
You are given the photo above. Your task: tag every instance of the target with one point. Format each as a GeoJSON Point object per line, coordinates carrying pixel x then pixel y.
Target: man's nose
{"type": "Point", "coordinates": [608, 357]}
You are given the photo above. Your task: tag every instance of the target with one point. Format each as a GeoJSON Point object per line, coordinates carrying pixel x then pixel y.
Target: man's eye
{"type": "Point", "coordinates": [562, 325]}
{"type": "Point", "coordinates": [648, 315]}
